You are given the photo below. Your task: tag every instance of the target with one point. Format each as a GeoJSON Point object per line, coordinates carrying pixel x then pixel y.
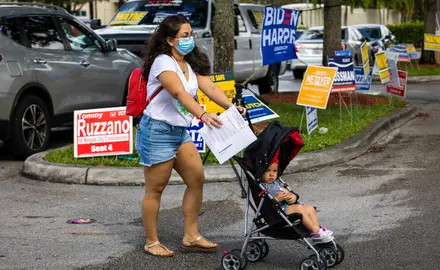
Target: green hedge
{"type": "Point", "coordinates": [408, 32]}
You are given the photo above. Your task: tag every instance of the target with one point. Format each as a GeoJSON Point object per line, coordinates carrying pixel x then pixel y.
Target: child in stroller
{"type": "Point", "coordinates": [290, 205]}
{"type": "Point", "coordinates": [271, 222]}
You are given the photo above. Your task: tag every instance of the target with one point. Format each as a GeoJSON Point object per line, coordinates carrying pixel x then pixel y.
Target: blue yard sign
{"type": "Point", "coordinates": [278, 34]}
{"type": "Point", "coordinates": [312, 119]}
{"type": "Point", "coordinates": [193, 132]}
{"type": "Point", "coordinates": [343, 53]}
{"type": "Point", "coordinates": [363, 83]}
{"type": "Point", "coordinates": [344, 80]}
{"type": "Point", "coordinates": [257, 110]}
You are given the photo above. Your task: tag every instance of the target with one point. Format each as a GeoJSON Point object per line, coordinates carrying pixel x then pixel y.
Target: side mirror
{"type": "Point", "coordinates": [112, 44]}
{"type": "Point", "coordinates": [95, 24]}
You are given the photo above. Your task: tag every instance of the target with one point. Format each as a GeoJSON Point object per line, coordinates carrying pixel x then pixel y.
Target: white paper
{"type": "Point", "coordinates": [232, 137]}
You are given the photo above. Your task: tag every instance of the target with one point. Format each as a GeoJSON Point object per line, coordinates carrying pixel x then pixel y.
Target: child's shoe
{"type": "Point", "coordinates": [321, 237]}
{"type": "Point", "coordinates": [325, 230]}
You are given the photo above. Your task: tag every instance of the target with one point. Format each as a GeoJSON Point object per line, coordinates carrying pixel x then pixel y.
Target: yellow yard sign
{"type": "Point", "coordinates": [226, 82]}
{"type": "Point", "coordinates": [432, 42]}
{"type": "Point", "coordinates": [381, 60]}
{"type": "Point", "coordinates": [128, 17]}
{"type": "Point", "coordinates": [316, 86]}
{"type": "Point", "coordinates": [365, 57]}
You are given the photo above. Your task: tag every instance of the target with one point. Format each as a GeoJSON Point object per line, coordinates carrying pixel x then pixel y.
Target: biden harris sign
{"type": "Point", "coordinates": [278, 34]}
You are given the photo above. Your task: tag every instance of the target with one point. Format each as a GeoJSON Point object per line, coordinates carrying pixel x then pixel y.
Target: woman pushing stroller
{"type": "Point", "coordinates": [290, 205]}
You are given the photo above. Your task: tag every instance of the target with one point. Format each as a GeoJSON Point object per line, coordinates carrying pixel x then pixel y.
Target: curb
{"type": "Point", "coordinates": [415, 79]}
{"type": "Point", "coordinates": [36, 168]}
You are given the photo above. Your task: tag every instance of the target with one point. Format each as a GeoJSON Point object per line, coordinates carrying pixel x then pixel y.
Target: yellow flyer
{"type": "Point", "coordinates": [432, 42]}
{"type": "Point", "coordinates": [381, 60]}
{"type": "Point", "coordinates": [226, 82]}
{"type": "Point", "coordinates": [316, 86]}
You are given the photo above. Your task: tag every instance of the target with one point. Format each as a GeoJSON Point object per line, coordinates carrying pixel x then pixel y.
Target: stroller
{"type": "Point", "coordinates": [270, 222]}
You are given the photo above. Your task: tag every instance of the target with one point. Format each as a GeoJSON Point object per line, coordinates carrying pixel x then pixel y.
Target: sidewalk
{"type": "Point", "coordinates": [36, 168]}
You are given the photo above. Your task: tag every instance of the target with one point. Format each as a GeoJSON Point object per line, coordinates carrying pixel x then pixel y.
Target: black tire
{"type": "Point", "coordinates": [269, 83]}
{"type": "Point", "coordinates": [253, 251]}
{"type": "Point", "coordinates": [264, 249]}
{"type": "Point", "coordinates": [22, 143]}
{"type": "Point", "coordinates": [233, 261]}
{"type": "Point", "coordinates": [312, 263]}
{"type": "Point", "coordinates": [298, 73]}
{"type": "Point", "coordinates": [341, 254]}
{"type": "Point", "coordinates": [330, 255]}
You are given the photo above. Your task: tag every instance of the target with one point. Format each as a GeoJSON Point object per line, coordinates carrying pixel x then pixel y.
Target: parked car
{"type": "Point", "coordinates": [52, 64]}
{"type": "Point", "coordinates": [136, 20]}
{"type": "Point", "coordinates": [379, 36]}
{"type": "Point", "coordinates": [309, 48]}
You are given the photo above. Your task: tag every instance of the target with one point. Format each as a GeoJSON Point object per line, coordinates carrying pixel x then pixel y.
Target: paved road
{"type": "Point", "coordinates": [383, 208]}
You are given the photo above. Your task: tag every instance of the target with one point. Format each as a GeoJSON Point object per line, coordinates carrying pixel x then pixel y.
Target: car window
{"type": "Point", "coordinates": [79, 38]}
{"type": "Point", "coordinates": [10, 28]}
{"type": "Point", "coordinates": [371, 32]}
{"type": "Point", "coordinates": [241, 24]}
{"type": "Point", "coordinates": [317, 34]}
{"type": "Point", "coordinates": [257, 17]}
{"type": "Point", "coordinates": [41, 33]}
{"type": "Point", "coordinates": [358, 34]}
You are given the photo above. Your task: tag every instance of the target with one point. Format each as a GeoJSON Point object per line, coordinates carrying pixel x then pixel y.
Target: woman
{"type": "Point", "coordinates": [174, 62]}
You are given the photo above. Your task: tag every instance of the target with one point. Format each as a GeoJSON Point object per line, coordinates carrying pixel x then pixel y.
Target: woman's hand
{"type": "Point", "coordinates": [211, 119]}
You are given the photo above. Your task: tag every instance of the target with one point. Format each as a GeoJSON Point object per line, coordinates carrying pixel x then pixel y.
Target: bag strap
{"type": "Point", "coordinates": [154, 95]}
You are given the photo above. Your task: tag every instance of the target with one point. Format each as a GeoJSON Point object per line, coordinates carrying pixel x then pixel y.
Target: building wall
{"type": "Point", "coordinates": [315, 17]}
{"type": "Point", "coordinates": [104, 10]}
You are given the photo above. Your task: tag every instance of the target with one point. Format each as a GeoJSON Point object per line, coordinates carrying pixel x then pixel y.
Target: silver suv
{"type": "Point", "coordinates": [52, 64]}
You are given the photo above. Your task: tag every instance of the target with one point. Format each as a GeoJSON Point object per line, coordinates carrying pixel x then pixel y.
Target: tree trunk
{"type": "Point", "coordinates": [418, 10]}
{"type": "Point", "coordinates": [332, 28]}
{"type": "Point", "coordinates": [430, 8]}
{"type": "Point", "coordinates": [224, 36]}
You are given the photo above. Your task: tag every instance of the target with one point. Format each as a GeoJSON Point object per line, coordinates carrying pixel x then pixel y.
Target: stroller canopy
{"type": "Point", "coordinates": [274, 142]}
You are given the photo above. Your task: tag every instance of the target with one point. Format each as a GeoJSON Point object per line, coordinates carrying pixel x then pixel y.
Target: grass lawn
{"type": "Point", "coordinates": [290, 115]}
{"type": "Point", "coordinates": [423, 70]}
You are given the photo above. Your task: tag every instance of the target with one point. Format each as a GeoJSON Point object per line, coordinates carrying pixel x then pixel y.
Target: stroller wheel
{"type": "Point", "coordinates": [312, 263]}
{"type": "Point", "coordinates": [233, 261]}
{"type": "Point", "coordinates": [264, 249]}
{"type": "Point", "coordinates": [341, 254]}
{"type": "Point", "coordinates": [330, 255]}
{"type": "Point", "coordinates": [253, 251]}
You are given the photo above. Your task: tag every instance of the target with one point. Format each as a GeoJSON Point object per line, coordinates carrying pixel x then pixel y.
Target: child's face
{"type": "Point", "coordinates": [271, 174]}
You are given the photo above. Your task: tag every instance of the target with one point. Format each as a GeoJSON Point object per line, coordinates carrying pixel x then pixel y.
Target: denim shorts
{"type": "Point", "coordinates": [158, 141]}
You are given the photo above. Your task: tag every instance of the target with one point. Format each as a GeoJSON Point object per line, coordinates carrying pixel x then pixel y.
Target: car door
{"type": "Point", "coordinates": [243, 56]}
{"type": "Point", "coordinates": [100, 82]}
{"type": "Point", "coordinates": [52, 61]}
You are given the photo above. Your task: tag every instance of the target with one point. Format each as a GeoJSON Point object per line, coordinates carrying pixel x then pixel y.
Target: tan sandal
{"type": "Point", "coordinates": [193, 246]}
{"type": "Point", "coordinates": [147, 247]}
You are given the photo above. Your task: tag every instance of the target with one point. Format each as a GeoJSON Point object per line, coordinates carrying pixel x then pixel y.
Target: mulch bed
{"type": "Point", "coordinates": [334, 100]}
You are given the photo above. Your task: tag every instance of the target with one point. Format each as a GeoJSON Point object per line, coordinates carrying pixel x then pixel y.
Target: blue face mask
{"type": "Point", "coordinates": [186, 45]}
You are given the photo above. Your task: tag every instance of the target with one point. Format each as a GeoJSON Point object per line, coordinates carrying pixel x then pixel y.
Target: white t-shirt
{"type": "Point", "coordinates": [165, 107]}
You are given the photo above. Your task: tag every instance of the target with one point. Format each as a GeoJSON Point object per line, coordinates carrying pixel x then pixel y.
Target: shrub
{"type": "Point", "coordinates": [409, 32]}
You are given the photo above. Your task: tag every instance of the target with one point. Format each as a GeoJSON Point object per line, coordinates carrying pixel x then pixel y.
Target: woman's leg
{"type": "Point", "coordinates": [190, 167]}
{"type": "Point", "coordinates": [156, 179]}
{"type": "Point", "coordinates": [306, 220]}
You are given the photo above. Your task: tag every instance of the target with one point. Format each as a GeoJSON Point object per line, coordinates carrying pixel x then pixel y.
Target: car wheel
{"type": "Point", "coordinates": [30, 127]}
{"type": "Point", "coordinates": [269, 84]}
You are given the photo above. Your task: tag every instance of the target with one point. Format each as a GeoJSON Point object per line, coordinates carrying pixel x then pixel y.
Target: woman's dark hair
{"type": "Point", "coordinates": [157, 44]}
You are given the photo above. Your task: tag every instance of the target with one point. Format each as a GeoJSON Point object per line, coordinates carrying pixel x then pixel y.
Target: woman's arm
{"type": "Point", "coordinates": [171, 82]}
{"type": "Point", "coordinates": [215, 93]}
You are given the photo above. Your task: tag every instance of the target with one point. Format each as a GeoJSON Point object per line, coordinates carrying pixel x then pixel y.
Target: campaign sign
{"type": "Point", "coordinates": [312, 119]}
{"type": "Point", "coordinates": [226, 82]}
{"type": "Point", "coordinates": [412, 52]}
{"type": "Point", "coordinates": [257, 110]}
{"type": "Point", "coordinates": [343, 53]}
{"type": "Point", "coordinates": [193, 132]}
{"type": "Point", "coordinates": [278, 34]}
{"type": "Point", "coordinates": [401, 50]}
{"type": "Point", "coordinates": [102, 132]}
{"type": "Point", "coordinates": [398, 90]}
{"type": "Point", "coordinates": [382, 65]}
{"type": "Point", "coordinates": [363, 83]}
{"type": "Point", "coordinates": [365, 57]}
{"type": "Point", "coordinates": [316, 86]}
{"type": "Point", "coordinates": [432, 42]}
{"type": "Point", "coordinates": [344, 80]}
